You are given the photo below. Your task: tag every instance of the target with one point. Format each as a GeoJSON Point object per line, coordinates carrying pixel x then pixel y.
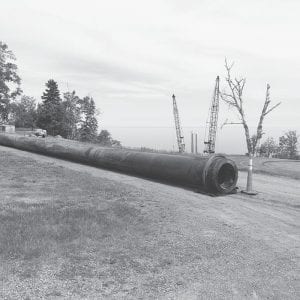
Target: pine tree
{"type": "Point", "coordinates": [89, 123]}
{"type": "Point", "coordinates": [50, 112]}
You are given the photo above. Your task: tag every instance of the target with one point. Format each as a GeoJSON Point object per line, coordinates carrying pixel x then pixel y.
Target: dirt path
{"type": "Point", "coordinates": [171, 243]}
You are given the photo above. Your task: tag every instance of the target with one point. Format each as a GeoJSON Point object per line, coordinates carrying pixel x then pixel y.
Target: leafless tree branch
{"type": "Point", "coordinates": [230, 123]}
{"type": "Point", "coordinates": [272, 108]}
{"type": "Point", "coordinates": [264, 112]}
{"type": "Point", "coordinates": [234, 98]}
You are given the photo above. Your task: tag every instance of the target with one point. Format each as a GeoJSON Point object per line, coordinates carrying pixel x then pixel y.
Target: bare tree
{"type": "Point", "coordinates": [234, 98]}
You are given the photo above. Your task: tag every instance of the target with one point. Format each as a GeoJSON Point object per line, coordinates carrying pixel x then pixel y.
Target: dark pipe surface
{"type": "Point", "coordinates": [214, 174]}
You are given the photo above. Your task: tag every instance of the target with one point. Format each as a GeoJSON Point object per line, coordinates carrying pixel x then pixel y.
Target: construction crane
{"type": "Point", "coordinates": [180, 139]}
{"type": "Point", "coordinates": [213, 120]}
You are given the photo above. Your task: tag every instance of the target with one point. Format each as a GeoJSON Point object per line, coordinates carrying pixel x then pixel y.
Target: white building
{"type": "Point", "coordinates": [7, 128]}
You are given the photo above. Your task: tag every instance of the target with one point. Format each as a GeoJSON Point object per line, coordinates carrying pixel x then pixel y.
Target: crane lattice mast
{"type": "Point", "coordinates": [180, 139]}
{"type": "Point", "coordinates": [213, 120]}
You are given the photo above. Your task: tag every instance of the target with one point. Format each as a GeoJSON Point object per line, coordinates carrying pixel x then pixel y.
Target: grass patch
{"type": "Point", "coordinates": [67, 234]}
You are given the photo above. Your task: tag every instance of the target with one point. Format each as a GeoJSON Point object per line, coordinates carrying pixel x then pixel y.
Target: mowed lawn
{"type": "Point", "coordinates": [65, 233]}
{"type": "Point", "coordinates": [271, 166]}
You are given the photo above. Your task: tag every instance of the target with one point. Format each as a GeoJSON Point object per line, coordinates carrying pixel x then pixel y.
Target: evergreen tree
{"type": "Point", "coordinates": [89, 123]}
{"type": "Point", "coordinates": [50, 111]}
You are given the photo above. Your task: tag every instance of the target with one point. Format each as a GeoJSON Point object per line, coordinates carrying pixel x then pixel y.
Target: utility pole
{"type": "Point", "coordinates": [192, 142]}
{"type": "Point", "coordinates": [196, 143]}
{"type": "Point", "coordinates": [213, 120]}
{"type": "Point", "coordinates": [180, 138]}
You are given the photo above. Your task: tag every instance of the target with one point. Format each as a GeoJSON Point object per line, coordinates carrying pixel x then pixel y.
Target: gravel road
{"type": "Point", "coordinates": [192, 246]}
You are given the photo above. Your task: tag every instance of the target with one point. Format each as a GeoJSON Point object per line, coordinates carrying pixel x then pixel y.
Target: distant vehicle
{"type": "Point", "coordinates": [40, 133]}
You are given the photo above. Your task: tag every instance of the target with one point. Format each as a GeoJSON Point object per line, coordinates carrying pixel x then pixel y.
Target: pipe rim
{"type": "Point", "coordinates": [220, 174]}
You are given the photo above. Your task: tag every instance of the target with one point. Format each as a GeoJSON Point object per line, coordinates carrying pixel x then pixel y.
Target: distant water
{"type": "Point", "coordinates": [230, 139]}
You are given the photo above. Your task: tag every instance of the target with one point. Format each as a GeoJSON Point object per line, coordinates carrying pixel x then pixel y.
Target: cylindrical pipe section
{"type": "Point", "coordinates": [214, 174]}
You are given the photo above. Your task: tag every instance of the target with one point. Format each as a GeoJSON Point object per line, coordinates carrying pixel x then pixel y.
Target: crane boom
{"type": "Point", "coordinates": [213, 120]}
{"type": "Point", "coordinates": [180, 139]}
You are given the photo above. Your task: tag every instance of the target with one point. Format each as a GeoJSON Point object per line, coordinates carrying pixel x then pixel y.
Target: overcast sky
{"type": "Point", "coordinates": [131, 56]}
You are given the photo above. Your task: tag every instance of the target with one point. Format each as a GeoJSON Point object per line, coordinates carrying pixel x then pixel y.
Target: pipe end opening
{"type": "Point", "coordinates": [226, 177]}
{"type": "Point", "coordinates": [222, 175]}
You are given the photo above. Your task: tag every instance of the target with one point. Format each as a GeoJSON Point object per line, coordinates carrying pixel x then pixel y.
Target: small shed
{"type": "Point", "coordinates": [7, 128]}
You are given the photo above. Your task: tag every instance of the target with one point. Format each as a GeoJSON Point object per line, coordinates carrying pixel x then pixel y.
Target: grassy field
{"type": "Point", "coordinates": [67, 234]}
{"type": "Point", "coordinates": [271, 166]}
{"type": "Point", "coordinates": [71, 231]}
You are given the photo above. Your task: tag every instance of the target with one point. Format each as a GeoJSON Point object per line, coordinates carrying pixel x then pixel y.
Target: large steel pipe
{"type": "Point", "coordinates": [214, 174]}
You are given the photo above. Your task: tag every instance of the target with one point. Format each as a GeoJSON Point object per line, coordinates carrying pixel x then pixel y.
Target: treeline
{"type": "Point", "coordinates": [285, 147]}
{"type": "Point", "coordinates": [69, 116]}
